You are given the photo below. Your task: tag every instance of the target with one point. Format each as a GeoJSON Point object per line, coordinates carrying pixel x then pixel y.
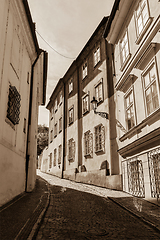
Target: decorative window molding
{"type": "Point", "coordinates": [84, 70]}
{"type": "Point", "coordinates": [55, 157]}
{"type": "Point", "coordinates": [124, 50]}
{"type": "Point", "coordinates": [151, 88]}
{"type": "Point", "coordinates": [70, 85]}
{"type": "Point", "coordinates": [85, 101]}
{"type": "Point", "coordinates": [96, 55]}
{"type": "Point", "coordinates": [60, 124]}
{"type": "Point", "coordinates": [50, 160]}
{"type": "Point", "coordinates": [99, 91]}
{"type": "Point", "coordinates": [88, 144]}
{"type": "Point", "coordinates": [13, 109]}
{"type": "Point", "coordinates": [71, 115]}
{"type": "Point", "coordinates": [142, 19]}
{"type": "Point", "coordinates": [99, 138]}
{"type": "Point", "coordinates": [55, 130]}
{"type": "Point", "coordinates": [71, 149]}
{"type": "Point", "coordinates": [129, 109]}
{"type": "Point", "coordinates": [60, 154]}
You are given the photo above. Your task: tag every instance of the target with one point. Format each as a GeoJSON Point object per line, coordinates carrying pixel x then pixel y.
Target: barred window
{"type": "Point", "coordinates": [84, 70]}
{"type": "Point", "coordinates": [86, 103]}
{"type": "Point", "coordinates": [99, 138]}
{"type": "Point", "coordinates": [71, 116]}
{"type": "Point", "coordinates": [71, 149]}
{"type": "Point", "coordinates": [96, 56]}
{"type": "Point", "coordinates": [55, 157]}
{"type": "Point", "coordinates": [13, 110]}
{"type": "Point", "coordinates": [88, 143]}
{"type": "Point", "coordinates": [50, 160]}
{"type": "Point", "coordinates": [59, 154]}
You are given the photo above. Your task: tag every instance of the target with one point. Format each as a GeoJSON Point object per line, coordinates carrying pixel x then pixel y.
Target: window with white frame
{"type": "Point", "coordinates": [97, 55]}
{"type": "Point", "coordinates": [55, 130]}
{"type": "Point", "coordinates": [88, 143]}
{"type": "Point", "coordinates": [60, 124]}
{"type": "Point", "coordinates": [129, 110]}
{"type": "Point", "coordinates": [84, 70]}
{"type": "Point", "coordinates": [99, 91]}
{"type": "Point", "coordinates": [141, 16]}
{"type": "Point", "coordinates": [55, 157]}
{"type": "Point", "coordinates": [50, 160]}
{"type": "Point", "coordinates": [124, 48]}
{"type": "Point", "coordinates": [85, 103]}
{"type": "Point", "coordinates": [59, 154]}
{"type": "Point", "coordinates": [70, 85]}
{"type": "Point", "coordinates": [71, 149]}
{"type": "Point", "coordinates": [99, 138]}
{"type": "Point", "coordinates": [151, 91]}
{"type": "Point", "coordinates": [71, 115]}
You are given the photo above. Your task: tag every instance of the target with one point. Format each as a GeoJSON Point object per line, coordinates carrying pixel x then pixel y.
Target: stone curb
{"type": "Point", "coordinates": [37, 225]}
{"type": "Point", "coordinates": [136, 215]}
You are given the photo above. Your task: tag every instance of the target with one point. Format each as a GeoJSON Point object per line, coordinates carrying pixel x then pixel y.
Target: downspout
{"type": "Point", "coordinates": [29, 117]}
{"type": "Point", "coordinates": [64, 135]}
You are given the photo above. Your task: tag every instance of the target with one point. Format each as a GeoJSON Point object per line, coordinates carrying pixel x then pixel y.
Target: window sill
{"type": "Point", "coordinates": [125, 62]}
{"type": "Point", "coordinates": [60, 131]}
{"type": "Point", "coordinates": [138, 127]}
{"type": "Point", "coordinates": [97, 64]}
{"type": "Point", "coordinates": [70, 123]}
{"type": "Point", "coordinates": [89, 155]}
{"type": "Point", "coordinates": [99, 151]}
{"type": "Point", "coordinates": [60, 103]}
{"type": "Point", "coordinates": [55, 136]}
{"type": "Point", "coordinates": [10, 123]}
{"type": "Point", "coordinates": [71, 159]}
{"type": "Point", "coordinates": [84, 78]}
{"type": "Point", "coordinates": [51, 118]}
{"type": "Point", "coordinates": [140, 36]}
{"type": "Point", "coordinates": [85, 113]}
{"type": "Point", "coordinates": [100, 102]}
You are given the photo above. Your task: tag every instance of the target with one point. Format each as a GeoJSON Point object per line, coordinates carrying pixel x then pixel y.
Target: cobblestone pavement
{"type": "Point", "coordinates": [18, 217]}
{"type": "Point", "coordinates": [79, 211]}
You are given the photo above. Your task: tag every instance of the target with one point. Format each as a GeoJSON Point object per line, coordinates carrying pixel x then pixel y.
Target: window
{"type": "Point", "coordinates": [28, 77]}
{"type": "Point", "coordinates": [71, 149]}
{"type": "Point", "coordinates": [60, 98]}
{"type": "Point", "coordinates": [88, 143]}
{"type": "Point", "coordinates": [86, 103]}
{"type": "Point", "coordinates": [55, 106]}
{"type": "Point", "coordinates": [99, 91]}
{"type": "Point", "coordinates": [84, 70]}
{"type": "Point", "coordinates": [59, 154]}
{"type": "Point", "coordinates": [55, 157]}
{"type": "Point", "coordinates": [151, 89]}
{"type": "Point", "coordinates": [50, 160]}
{"type": "Point", "coordinates": [71, 115]}
{"type": "Point", "coordinates": [70, 84]}
{"type": "Point", "coordinates": [129, 109]}
{"type": "Point", "coordinates": [99, 138]}
{"type": "Point", "coordinates": [96, 56]}
{"type": "Point", "coordinates": [52, 113]}
{"type": "Point", "coordinates": [55, 130]}
{"type": "Point", "coordinates": [24, 125]}
{"type": "Point", "coordinates": [13, 109]}
{"type": "Point", "coordinates": [141, 16]}
{"type": "Point", "coordinates": [60, 124]}
{"type": "Point", "coordinates": [124, 49]}
{"type": "Point", "coordinates": [51, 136]}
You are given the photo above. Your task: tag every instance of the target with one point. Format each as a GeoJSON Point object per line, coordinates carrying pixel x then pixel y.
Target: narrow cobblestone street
{"type": "Point", "coordinates": [78, 211]}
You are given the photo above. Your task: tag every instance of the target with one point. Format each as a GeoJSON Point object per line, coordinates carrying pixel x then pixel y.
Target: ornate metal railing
{"type": "Point", "coordinates": [154, 171]}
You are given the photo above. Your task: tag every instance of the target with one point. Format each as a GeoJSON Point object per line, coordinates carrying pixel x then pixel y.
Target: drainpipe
{"type": "Point", "coordinates": [64, 116]}
{"type": "Point", "coordinates": [29, 118]}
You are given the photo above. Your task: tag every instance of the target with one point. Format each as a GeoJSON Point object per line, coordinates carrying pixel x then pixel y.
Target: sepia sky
{"type": "Point", "coordinates": [66, 25]}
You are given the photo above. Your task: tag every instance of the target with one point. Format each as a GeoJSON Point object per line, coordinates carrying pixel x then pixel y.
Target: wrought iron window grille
{"type": "Point", "coordinates": [13, 110]}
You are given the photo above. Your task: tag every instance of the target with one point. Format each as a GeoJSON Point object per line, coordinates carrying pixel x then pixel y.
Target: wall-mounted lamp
{"type": "Point", "coordinates": [94, 105]}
